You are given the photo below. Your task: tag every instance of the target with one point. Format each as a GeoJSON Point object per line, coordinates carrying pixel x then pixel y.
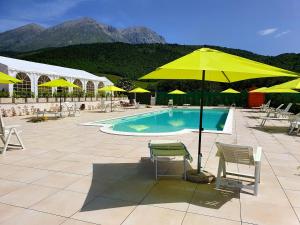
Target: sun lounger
{"type": "Point", "coordinates": [6, 132]}
{"type": "Point", "coordinates": [294, 123]}
{"type": "Point", "coordinates": [285, 112]}
{"type": "Point", "coordinates": [165, 148]}
{"type": "Point", "coordinates": [239, 154]}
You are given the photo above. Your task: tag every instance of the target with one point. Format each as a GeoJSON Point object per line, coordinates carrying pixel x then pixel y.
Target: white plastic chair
{"type": "Point", "coordinates": [6, 133]}
{"type": "Point", "coordinates": [170, 103]}
{"type": "Point", "coordinates": [239, 154]}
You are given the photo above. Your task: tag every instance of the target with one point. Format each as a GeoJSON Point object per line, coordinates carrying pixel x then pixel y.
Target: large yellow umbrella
{"type": "Point", "coordinates": [212, 65]}
{"type": "Point", "coordinates": [58, 83]}
{"type": "Point", "coordinates": [138, 90]}
{"type": "Point", "coordinates": [293, 84]}
{"type": "Point", "coordinates": [230, 91]}
{"type": "Point", "coordinates": [278, 90]}
{"type": "Point", "coordinates": [111, 89]}
{"type": "Point", "coordinates": [6, 79]}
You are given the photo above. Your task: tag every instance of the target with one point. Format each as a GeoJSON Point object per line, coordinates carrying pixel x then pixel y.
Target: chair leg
{"type": "Point", "coordinates": [19, 139]}
{"type": "Point", "coordinates": [220, 169]}
{"type": "Point", "coordinates": [184, 167]}
{"type": "Point", "coordinates": [155, 168]}
{"type": "Point", "coordinates": [257, 178]}
{"type": "Point", "coordinates": [7, 139]}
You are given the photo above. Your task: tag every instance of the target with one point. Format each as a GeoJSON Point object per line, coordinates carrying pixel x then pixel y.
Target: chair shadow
{"type": "Point", "coordinates": [271, 129]}
{"type": "Point", "coordinates": [118, 181]}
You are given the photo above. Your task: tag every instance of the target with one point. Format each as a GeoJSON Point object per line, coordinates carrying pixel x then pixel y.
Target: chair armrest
{"type": "Point", "coordinates": [257, 155]}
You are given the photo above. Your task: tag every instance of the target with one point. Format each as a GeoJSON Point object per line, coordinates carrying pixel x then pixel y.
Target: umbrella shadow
{"type": "Point", "coordinates": [128, 184]}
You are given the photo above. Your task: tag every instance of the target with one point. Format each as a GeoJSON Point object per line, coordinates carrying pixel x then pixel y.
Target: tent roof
{"type": "Point", "coordinates": [27, 66]}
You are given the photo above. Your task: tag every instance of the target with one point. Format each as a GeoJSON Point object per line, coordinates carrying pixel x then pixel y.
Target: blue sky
{"type": "Point", "coordinates": [267, 27]}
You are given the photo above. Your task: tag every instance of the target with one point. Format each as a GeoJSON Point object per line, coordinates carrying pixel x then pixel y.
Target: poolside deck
{"type": "Point", "coordinates": [76, 175]}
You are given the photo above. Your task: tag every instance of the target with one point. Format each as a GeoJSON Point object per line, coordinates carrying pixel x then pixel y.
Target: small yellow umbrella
{"type": "Point", "coordinates": [259, 90]}
{"type": "Point", "coordinates": [176, 92]}
{"type": "Point", "coordinates": [59, 83]}
{"type": "Point", "coordinates": [6, 79]}
{"type": "Point", "coordinates": [138, 90]}
{"type": "Point", "coordinates": [111, 89]}
{"type": "Point", "coordinates": [230, 91]}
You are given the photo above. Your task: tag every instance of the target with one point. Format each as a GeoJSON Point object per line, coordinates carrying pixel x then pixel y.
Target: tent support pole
{"type": "Point", "coordinates": [200, 123]}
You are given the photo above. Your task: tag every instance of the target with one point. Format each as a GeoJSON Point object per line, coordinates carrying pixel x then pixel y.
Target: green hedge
{"type": "Point", "coordinates": [214, 99]}
{"type": "Point", "coordinates": [211, 99]}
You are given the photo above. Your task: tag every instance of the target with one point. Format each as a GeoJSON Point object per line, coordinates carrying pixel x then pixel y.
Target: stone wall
{"type": "Point", "coordinates": [21, 109]}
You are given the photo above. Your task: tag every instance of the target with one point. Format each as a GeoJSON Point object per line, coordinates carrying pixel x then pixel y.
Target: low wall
{"type": "Point", "coordinates": [21, 109]}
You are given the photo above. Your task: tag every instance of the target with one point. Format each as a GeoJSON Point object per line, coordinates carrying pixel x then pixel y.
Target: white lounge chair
{"type": "Point", "coordinates": [170, 103]}
{"type": "Point", "coordinates": [166, 148]}
{"type": "Point", "coordinates": [239, 154]}
{"type": "Point", "coordinates": [71, 108]}
{"type": "Point", "coordinates": [275, 111]}
{"type": "Point", "coordinates": [265, 107]}
{"type": "Point", "coordinates": [285, 112]}
{"type": "Point", "coordinates": [295, 123]}
{"type": "Point", "coordinates": [6, 132]}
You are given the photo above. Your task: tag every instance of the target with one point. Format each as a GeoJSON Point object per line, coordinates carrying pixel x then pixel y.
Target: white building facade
{"type": "Point", "coordinates": [32, 74]}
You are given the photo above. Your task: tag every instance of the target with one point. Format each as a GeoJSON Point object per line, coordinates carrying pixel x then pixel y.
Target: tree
{"type": "Point", "coordinates": [125, 84]}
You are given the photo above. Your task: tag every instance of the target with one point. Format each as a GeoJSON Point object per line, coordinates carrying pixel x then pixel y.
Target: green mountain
{"type": "Point", "coordinates": [134, 60]}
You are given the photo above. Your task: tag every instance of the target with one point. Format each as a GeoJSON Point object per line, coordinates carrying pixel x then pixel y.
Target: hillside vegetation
{"type": "Point", "coordinates": [133, 61]}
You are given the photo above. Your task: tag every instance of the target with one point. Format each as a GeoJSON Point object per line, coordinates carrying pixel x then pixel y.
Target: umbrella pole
{"type": "Point", "coordinates": [200, 123]}
{"type": "Point", "coordinates": [111, 101]}
{"type": "Point", "coordinates": [60, 105]}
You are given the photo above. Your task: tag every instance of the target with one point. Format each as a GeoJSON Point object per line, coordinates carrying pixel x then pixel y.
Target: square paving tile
{"type": "Point", "coordinates": [195, 219]}
{"type": "Point", "coordinates": [7, 186]}
{"type": "Point", "coordinates": [76, 222]}
{"type": "Point", "coordinates": [27, 195]}
{"type": "Point", "coordinates": [218, 203]}
{"type": "Point", "coordinates": [58, 180]}
{"type": "Point", "coordinates": [28, 175]}
{"type": "Point", "coordinates": [172, 194]}
{"type": "Point", "coordinates": [105, 211]}
{"type": "Point", "coordinates": [8, 212]}
{"type": "Point", "coordinates": [30, 217]}
{"type": "Point", "coordinates": [63, 203]}
{"type": "Point", "coordinates": [268, 214]}
{"type": "Point", "coordinates": [148, 215]}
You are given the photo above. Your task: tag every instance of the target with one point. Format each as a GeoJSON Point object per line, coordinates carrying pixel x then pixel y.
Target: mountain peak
{"type": "Point", "coordinates": [78, 31]}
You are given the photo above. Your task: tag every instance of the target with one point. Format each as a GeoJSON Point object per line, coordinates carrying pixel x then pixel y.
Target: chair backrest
{"type": "Point", "coordinates": [279, 107]}
{"type": "Point", "coordinates": [235, 153]}
{"type": "Point", "coordinates": [268, 103]}
{"type": "Point", "coordinates": [170, 102]}
{"type": "Point", "coordinates": [288, 107]}
{"type": "Point", "coordinates": [2, 129]}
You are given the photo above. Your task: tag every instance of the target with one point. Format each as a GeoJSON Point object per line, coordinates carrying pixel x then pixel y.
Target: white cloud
{"type": "Point", "coordinates": [278, 35]}
{"type": "Point", "coordinates": [267, 31]}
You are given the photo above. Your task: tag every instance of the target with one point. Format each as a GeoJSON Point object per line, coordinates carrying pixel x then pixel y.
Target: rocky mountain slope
{"type": "Point", "coordinates": [80, 31]}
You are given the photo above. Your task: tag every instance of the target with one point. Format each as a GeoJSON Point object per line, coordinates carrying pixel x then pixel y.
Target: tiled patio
{"type": "Point", "coordinates": [76, 175]}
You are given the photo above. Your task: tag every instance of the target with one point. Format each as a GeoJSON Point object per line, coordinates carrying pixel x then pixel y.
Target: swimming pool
{"type": "Point", "coordinates": [168, 122]}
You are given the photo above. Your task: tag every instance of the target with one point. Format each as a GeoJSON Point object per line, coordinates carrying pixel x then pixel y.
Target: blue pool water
{"type": "Point", "coordinates": [170, 121]}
